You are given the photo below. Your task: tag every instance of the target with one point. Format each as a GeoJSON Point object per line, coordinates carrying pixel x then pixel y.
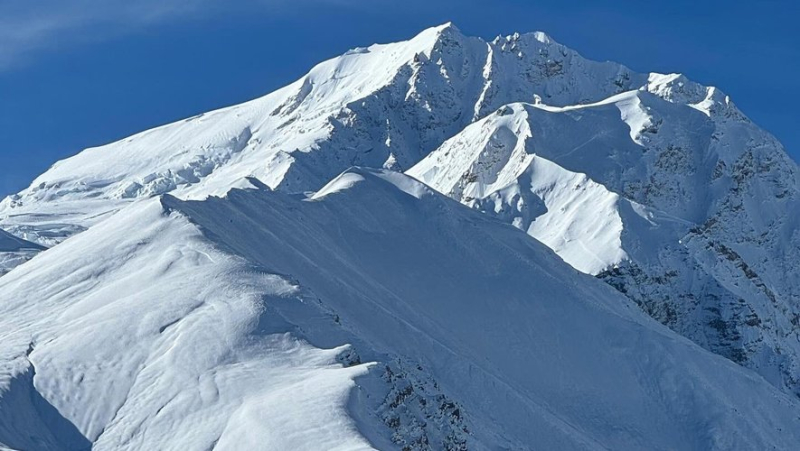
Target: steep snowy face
{"type": "Point", "coordinates": [15, 251]}
{"type": "Point", "coordinates": [380, 106]}
{"type": "Point", "coordinates": [347, 320]}
{"type": "Point", "coordinates": [140, 334]}
{"type": "Point", "coordinates": [556, 171]}
{"type": "Point", "coordinates": [657, 185]}
{"type": "Point", "coordinates": [493, 165]}
{"type": "Point", "coordinates": [668, 193]}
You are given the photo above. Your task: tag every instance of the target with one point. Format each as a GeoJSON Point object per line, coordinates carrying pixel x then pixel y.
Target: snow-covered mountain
{"type": "Point", "coordinates": [380, 106]}
{"type": "Point", "coordinates": [668, 193]}
{"type": "Point", "coordinates": [375, 312]}
{"type": "Point", "coordinates": [227, 285]}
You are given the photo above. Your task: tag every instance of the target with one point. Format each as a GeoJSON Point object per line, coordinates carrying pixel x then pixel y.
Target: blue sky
{"type": "Point", "coordinates": [81, 73]}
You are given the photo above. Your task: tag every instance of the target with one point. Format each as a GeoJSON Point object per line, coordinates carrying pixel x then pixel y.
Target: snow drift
{"type": "Point", "coordinates": [378, 313]}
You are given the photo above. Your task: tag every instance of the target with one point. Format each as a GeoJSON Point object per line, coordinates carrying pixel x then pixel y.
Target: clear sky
{"type": "Point", "coordinates": [80, 73]}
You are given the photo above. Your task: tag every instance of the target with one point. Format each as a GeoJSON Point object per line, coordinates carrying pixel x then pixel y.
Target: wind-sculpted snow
{"type": "Point", "coordinates": [375, 314]}
{"type": "Point", "coordinates": [226, 285]}
{"type": "Point", "coordinates": [143, 335]}
{"type": "Point", "coordinates": [538, 168]}
{"type": "Point", "coordinates": [380, 106]}
{"type": "Point", "coordinates": [493, 166]}
{"type": "Point", "coordinates": [690, 210]}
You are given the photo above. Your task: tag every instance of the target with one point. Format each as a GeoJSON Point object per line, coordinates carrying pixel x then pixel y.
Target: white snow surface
{"type": "Point", "coordinates": [689, 209]}
{"type": "Point", "coordinates": [221, 282]}
{"type": "Point", "coordinates": [490, 165]}
{"type": "Point", "coordinates": [223, 323]}
{"type": "Point", "coordinates": [380, 106]}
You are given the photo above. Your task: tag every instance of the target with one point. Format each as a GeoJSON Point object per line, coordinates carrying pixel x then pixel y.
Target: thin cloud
{"type": "Point", "coordinates": [29, 28]}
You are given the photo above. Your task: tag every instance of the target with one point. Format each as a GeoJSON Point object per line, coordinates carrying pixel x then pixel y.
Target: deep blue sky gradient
{"type": "Point", "coordinates": [85, 90]}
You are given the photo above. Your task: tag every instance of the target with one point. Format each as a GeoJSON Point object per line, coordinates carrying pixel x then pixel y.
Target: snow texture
{"type": "Point", "coordinates": [241, 280]}
{"type": "Point", "coordinates": [689, 209]}
{"type": "Point", "coordinates": [346, 321]}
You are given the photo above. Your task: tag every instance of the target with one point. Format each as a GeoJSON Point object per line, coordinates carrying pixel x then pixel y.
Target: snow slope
{"type": "Point", "coordinates": [657, 185]}
{"type": "Point", "coordinates": [380, 106]}
{"type": "Point", "coordinates": [685, 206]}
{"type": "Point", "coordinates": [375, 313]}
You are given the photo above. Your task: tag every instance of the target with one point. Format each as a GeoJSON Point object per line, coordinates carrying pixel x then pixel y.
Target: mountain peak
{"type": "Point", "coordinates": [542, 37]}
{"type": "Point", "coordinates": [447, 27]}
{"type": "Point", "coordinates": [538, 36]}
{"type": "Point", "coordinates": [260, 285]}
{"type": "Point", "coordinates": [429, 38]}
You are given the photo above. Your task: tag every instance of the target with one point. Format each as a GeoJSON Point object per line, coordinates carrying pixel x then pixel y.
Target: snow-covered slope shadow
{"type": "Point", "coordinates": [493, 166]}
{"type": "Point", "coordinates": [15, 251]}
{"type": "Point", "coordinates": [28, 422]}
{"type": "Point", "coordinates": [145, 336]}
{"type": "Point", "coordinates": [655, 198]}
{"type": "Point", "coordinates": [10, 243]}
{"type": "Point", "coordinates": [729, 192]}
{"type": "Point", "coordinates": [492, 315]}
{"type": "Point", "coordinates": [386, 105]}
{"type": "Point", "coordinates": [375, 313]}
